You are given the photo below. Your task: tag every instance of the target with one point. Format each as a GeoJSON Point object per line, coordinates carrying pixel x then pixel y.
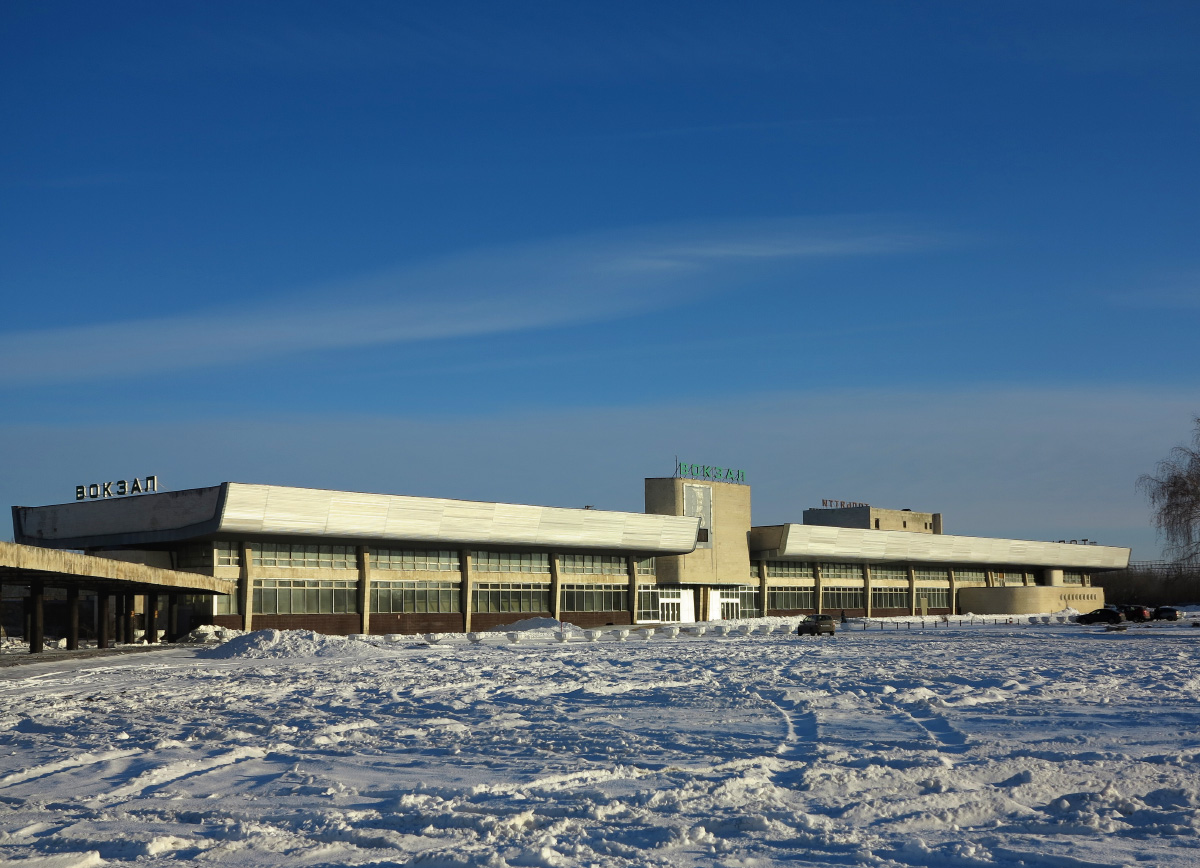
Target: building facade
{"type": "Point", "coordinates": [348, 562]}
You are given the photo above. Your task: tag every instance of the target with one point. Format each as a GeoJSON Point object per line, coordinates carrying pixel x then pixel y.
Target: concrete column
{"type": "Point", "coordinates": [466, 580]}
{"type": "Point", "coordinates": [150, 618]}
{"type": "Point", "coordinates": [72, 619]}
{"type": "Point", "coordinates": [245, 586]}
{"type": "Point", "coordinates": [953, 593]}
{"type": "Point", "coordinates": [172, 617]}
{"type": "Point", "coordinates": [633, 588]}
{"type": "Point", "coordinates": [912, 590]}
{"type": "Point", "coordinates": [555, 587]}
{"type": "Point", "coordinates": [364, 590]}
{"type": "Point", "coordinates": [818, 589]}
{"type": "Point", "coordinates": [989, 579]}
{"type": "Point", "coordinates": [102, 614]}
{"type": "Point", "coordinates": [127, 618]}
{"type": "Point", "coordinates": [762, 587]}
{"type": "Point", "coordinates": [37, 624]}
{"type": "Point", "coordinates": [1052, 578]}
{"type": "Point", "coordinates": [867, 589]}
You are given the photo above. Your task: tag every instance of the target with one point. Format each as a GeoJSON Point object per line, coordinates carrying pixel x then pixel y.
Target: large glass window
{"type": "Point", "coordinates": [491, 597]}
{"type": "Point", "coordinates": [296, 555]}
{"type": "Point", "coordinates": [647, 567]}
{"type": "Point", "coordinates": [841, 571]}
{"type": "Point", "coordinates": [398, 559]}
{"type": "Point", "coordinates": [790, 598]}
{"type": "Point", "coordinates": [510, 562]}
{"type": "Point", "coordinates": [932, 575]}
{"type": "Point", "coordinates": [970, 577]}
{"type": "Point", "coordinates": [226, 604]}
{"type": "Point", "coordinates": [935, 598]}
{"type": "Point", "coordinates": [889, 598]}
{"type": "Point", "coordinates": [748, 598]}
{"type": "Point", "coordinates": [790, 569]}
{"type": "Point", "coordinates": [595, 598]}
{"type": "Point", "coordinates": [194, 556]}
{"type": "Point", "coordinates": [403, 597]}
{"type": "Point", "coordinates": [304, 597]}
{"type": "Point", "coordinates": [842, 598]}
{"type": "Point", "coordinates": [1072, 578]}
{"type": "Point", "coordinates": [648, 600]}
{"type": "Point", "coordinates": [889, 573]}
{"type": "Point", "coordinates": [608, 565]}
{"type": "Point", "coordinates": [229, 554]}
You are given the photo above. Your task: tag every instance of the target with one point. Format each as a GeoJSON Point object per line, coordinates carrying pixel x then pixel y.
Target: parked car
{"type": "Point", "coordinates": [1167, 613]}
{"type": "Point", "coordinates": [1101, 616]}
{"type": "Point", "coordinates": [817, 625]}
{"type": "Point", "coordinates": [1136, 613]}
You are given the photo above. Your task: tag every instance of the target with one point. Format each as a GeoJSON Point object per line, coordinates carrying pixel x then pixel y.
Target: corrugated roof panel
{"type": "Point", "coordinates": [314, 512]}
{"type": "Point", "coordinates": [812, 542]}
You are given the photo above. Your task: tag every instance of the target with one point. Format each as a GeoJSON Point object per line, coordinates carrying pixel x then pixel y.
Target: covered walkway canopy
{"type": "Point", "coordinates": [40, 567]}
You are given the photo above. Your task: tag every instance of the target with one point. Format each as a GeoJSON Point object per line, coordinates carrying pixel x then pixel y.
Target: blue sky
{"type": "Point", "coordinates": [940, 256]}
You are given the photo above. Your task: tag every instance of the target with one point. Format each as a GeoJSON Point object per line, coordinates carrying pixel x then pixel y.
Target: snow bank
{"type": "Point", "coordinates": [274, 644]}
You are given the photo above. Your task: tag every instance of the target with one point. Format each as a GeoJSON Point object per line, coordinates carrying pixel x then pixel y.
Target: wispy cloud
{"type": "Point", "coordinates": [479, 292]}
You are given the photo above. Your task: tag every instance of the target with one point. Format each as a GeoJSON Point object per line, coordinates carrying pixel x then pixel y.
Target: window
{"type": "Point", "coordinates": [647, 567]}
{"type": "Point", "coordinates": [748, 598]}
{"type": "Point", "coordinates": [790, 569]}
{"type": "Point", "coordinates": [647, 603]}
{"type": "Point", "coordinates": [595, 598]}
{"type": "Point", "coordinates": [876, 524]}
{"type": "Point", "coordinates": [890, 598]}
{"type": "Point", "coordinates": [842, 598]}
{"type": "Point", "coordinates": [935, 598]}
{"type": "Point", "coordinates": [841, 571]}
{"type": "Point", "coordinates": [194, 556]}
{"type": "Point", "coordinates": [226, 604]}
{"type": "Point", "coordinates": [433, 561]}
{"type": "Point", "coordinates": [403, 597]}
{"type": "Point", "coordinates": [606, 565]}
{"type": "Point", "coordinates": [932, 575]}
{"type": "Point", "coordinates": [753, 570]}
{"type": "Point", "coordinates": [1072, 578]}
{"type": "Point", "coordinates": [310, 556]}
{"type": "Point", "coordinates": [891, 573]}
{"type": "Point", "coordinates": [493, 597]}
{"type": "Point", "coordinates": [229, 554]}
{"type": "Point", "coordinates": [510, 562]}
{"type": "Point", "coordinates": [304, 597]}
{"type": "Point", "coordinates": [790, 598]}
{"type": "Point", "coordinates": [970, 577]}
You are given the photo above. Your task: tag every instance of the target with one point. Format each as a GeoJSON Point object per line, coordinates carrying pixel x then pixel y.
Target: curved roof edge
{"type": "Point", "coordinates": [278, 510]}
{"type": "Point", "coordinates": [879, 546]}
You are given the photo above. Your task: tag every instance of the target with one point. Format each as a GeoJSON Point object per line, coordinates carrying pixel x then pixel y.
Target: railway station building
{"type": "Point", "coordinates": [344, 562]}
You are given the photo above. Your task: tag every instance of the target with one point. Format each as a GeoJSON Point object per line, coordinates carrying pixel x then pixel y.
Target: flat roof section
{"type": "Point", "coordinates": [20, 564]}
{"type": "Point", "coordinates": [855, 545]}
{"type": "Point", "coordinates": [236, 510]}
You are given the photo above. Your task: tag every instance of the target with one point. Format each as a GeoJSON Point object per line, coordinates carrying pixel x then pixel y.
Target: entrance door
{"type": "Point", "coordinates": [669, 610]}
{"type": "Point", "coordinates": [730, 609]}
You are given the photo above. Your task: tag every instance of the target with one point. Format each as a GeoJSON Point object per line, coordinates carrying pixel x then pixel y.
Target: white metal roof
{"type": "Point", "coordinates": [270, 509]}
{"type": "Point", "coordinates": [814, 542]}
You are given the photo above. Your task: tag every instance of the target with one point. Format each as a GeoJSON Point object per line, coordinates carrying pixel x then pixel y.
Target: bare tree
{"type": "Point", "coordinates": [1174, 493]}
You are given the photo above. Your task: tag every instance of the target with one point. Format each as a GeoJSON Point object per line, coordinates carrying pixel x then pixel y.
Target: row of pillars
{"type": "Point", "coordinates": [124, 621]}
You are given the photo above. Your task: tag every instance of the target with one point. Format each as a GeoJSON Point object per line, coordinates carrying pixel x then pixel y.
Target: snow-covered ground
{"type": "Point", "coordinates": [962, 745]}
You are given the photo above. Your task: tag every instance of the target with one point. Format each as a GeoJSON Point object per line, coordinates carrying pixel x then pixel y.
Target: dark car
{"type": "Point", "coordinates": [816, 625]}
{"type": "Point", "coordinates": [1101, 616]}
{"type": "Point", "coordinates": [1167, 613]}
{"type": "Point", "coordinates": [1136, 613]}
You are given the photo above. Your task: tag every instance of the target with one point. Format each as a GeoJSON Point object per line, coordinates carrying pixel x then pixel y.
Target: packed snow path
{"type": "Point", "coordinates": [1061, 746]}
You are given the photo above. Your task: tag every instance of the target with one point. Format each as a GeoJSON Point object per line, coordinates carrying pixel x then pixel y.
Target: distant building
{"type": "Point", "coordinates": [348, 562]}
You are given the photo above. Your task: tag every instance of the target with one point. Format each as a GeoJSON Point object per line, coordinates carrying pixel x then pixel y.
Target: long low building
{"type": "Point", "coordinates": [348, 562]}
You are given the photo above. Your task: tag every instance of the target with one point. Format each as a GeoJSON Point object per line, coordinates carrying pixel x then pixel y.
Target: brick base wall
{"type": "Point", "coordinates": [409, 622]}
{"type": "Point", "coordinates": [596, 619]}
{"type": "Point", "coordinates": [333, 625]}
{"type": "Point", "coordinates": [481, 622]}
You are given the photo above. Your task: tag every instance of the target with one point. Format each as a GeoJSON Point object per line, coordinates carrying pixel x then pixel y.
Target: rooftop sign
{"type": "Point", "coordinates": [841, 504]}
{"type": "Point", "coordinates": [120, 488]}
{"type": "Point", "coordinates": [709, 471]}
